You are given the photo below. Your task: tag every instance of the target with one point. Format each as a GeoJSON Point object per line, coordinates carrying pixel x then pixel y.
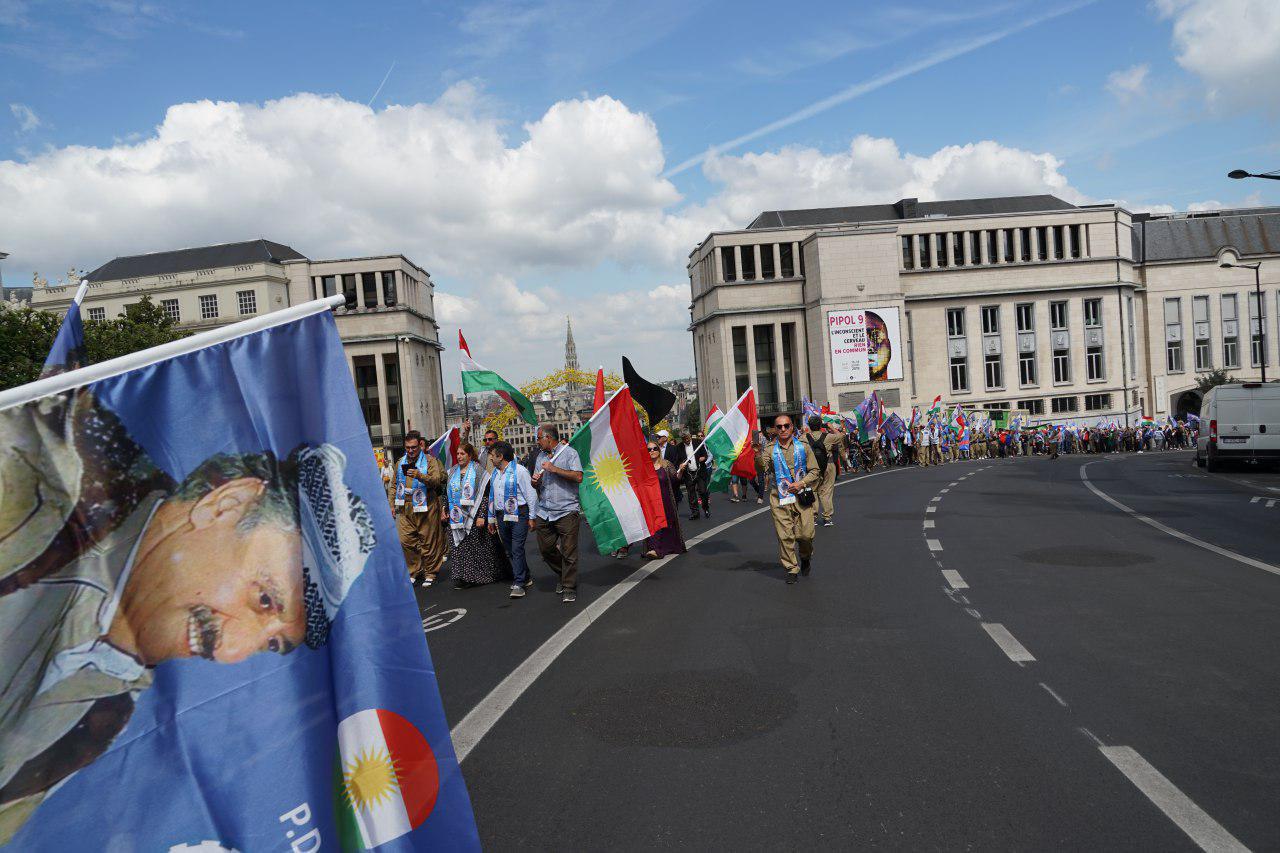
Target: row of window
{"type": "Point", "coordinates": [996, 246]}
{"type": "Point", "coordinates": [761, 261]}
{"type": "Point", "coordinates": [774, 379]}
{"type": "Point", "coordinates": [1059, 405]}
{"type": "Point", "coordinates": [1028, 373]}
{"type": "Point", "coordinates": [246, 302]}
{"type": "Point", "coordinates": [360, 289]}
{"type": "Point", "coordinates": [1202, 332]}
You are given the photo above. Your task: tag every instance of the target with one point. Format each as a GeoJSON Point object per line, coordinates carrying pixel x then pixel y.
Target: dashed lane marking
{"type": "Point", "coordinates": [1270, 501]}
{"type": "Point", "coordinates": [931, 509]}
{"type": "Point", "coordinates": [953, 578]}
{"type": "Point", "coordinates": [954, 484]}
{"type": "Point", "coordinates": [943, 491]}
{"type": "Point", "coordinates": [1055, 696]}
{"type": "Point", "coordinates": [934, 500]}
{"type": "Point", "coordinates": [934, 544]}
{"type": "Point", "coordinates": [1008, 644]}
{"type": "Point", "coordinates": [929, 524]}
{"type": "Point", "coordinates": [1177, 534]}
{"type": "Point", "coordinates": [1206, 832]}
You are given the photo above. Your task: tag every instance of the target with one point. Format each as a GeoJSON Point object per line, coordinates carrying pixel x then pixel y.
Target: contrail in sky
{"type": "Point", "coordinates": [385, 77]}
{"type": "Point", "coordinates": [859, 89]}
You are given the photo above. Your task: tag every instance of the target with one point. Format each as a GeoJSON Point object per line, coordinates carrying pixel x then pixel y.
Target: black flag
{"type": "Point", "coordinates": [656, 401]}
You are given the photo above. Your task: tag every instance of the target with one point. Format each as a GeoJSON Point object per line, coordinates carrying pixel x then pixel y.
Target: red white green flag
{"type": "Point", "coordinates": [713, 417]}
{"type": "Point", "coordinates": [730, 442]}
{"type": "Point", "coordinates": [445, 448]}
{"type": "Point", "coordinates": [936, 408]}
{"type": "Point", "coordinates": [620, 493]}
{"type": "Point", "coordinates": [476, 379]}
{"type": "Point", "coordinates": [386, 779]}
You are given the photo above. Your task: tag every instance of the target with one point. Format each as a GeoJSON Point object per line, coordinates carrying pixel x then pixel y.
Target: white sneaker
{"type": "Point", "coordinates": [559, 588]}
{"type": "Point", "coordinates": [517, 591]}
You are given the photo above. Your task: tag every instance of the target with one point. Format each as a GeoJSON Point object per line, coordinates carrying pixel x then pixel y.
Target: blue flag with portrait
{"type": "Point", "coordinates": [207, 633]}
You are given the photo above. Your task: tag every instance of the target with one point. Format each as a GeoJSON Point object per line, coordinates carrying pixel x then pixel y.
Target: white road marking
{"type": "Point", "coordinates": [1177, 534]}
{"type": "Point", "coordinates": [1055, 696]}
{"type": "Point", "coordinates": [472, 728]}
{"type": "Point", "coordinates": [943, 491]}
{"type": "Point", "coordinates": [954, 484]}
{"type": "Point", "coordinates": [1206, 832]}
{"type": "Point", "coordinates": [934, 544]}
{"type": "Point", "coordinates": [1091, 736]}
{"type": "Point", "coordinates": [934, 500]}
{"type": "Point", "coordinates": [975, 614]}
{"type": "Point", "coordinates": [931, 509]}
{"type": "Point", "coordinates": [953, 578]}
{"type": "Point", "coordinates": [929, 524]}
{"type": "Point", "coordinates": [1010, 646]}
{"type": "Point", "coordinates": [1254, 500]}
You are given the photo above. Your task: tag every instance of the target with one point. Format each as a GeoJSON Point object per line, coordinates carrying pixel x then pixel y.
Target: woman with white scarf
{"type": "Point", "coordinates": [475, 555]}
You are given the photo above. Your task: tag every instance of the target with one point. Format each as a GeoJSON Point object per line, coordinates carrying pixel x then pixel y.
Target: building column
{"type": "Point", "coordinates": [795, 259]}
{"type": "Point", "coordinates": [755, 253]}
{"type": "Point", "coordinates": [384, 411]}
{"type": "Point", "coordinates": [737, 263]}
{"type": "Point", "coordinates": [1052, 240]}
{"type": "Point", "coordinates": [779, 366]}
{"type": "Point", "coordinates": [716, 265]}
{"type": "Point", "coordinates": [982, 248]}
{"type": "Point", "coordinates": [949, 239]}
{"type": "Point", "coordinates": [915, 251]}
{"type": "Point", "coordinates": [1035, 244]}
{"type": "Point", "coordinates": [999, 258]}
{"type": "Point", "coordinates": [777, 260]}
{"type": "Point", "coordinates": [1066, 242]}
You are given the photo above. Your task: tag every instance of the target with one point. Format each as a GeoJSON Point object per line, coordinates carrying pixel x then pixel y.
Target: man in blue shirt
{"type": "Point", "coordinates": [512, 502]}
{"type": "Point", "coordinates": [557, 473]}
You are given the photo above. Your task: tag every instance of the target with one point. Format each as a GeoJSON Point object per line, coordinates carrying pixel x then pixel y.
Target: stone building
{"type": "Point", "coordinates": [1025, 302]}
{"type": "Point", "coordinates": [387, 327]}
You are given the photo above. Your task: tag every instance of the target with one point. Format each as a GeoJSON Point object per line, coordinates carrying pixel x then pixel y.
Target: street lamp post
{"type": "Point", "coordinates": [1237, 174]}
{"type": "Point", "coordinates": [1257, 286]}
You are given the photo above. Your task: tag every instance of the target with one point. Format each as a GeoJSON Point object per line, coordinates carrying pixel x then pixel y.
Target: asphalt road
{"type": "Point", "coordinates": [1027, 666]}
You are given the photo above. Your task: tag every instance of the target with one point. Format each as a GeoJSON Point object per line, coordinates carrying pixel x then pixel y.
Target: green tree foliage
{"type": "Point", "coordinates": [1212, 379]}
{"type": "Point", "coordinates": [26, 336]}
{"type": "Point", "coordinates": [693, 417]}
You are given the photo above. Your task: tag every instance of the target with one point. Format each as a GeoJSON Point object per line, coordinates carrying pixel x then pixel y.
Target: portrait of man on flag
{"type": "Point", "coordinates": [110, 567]}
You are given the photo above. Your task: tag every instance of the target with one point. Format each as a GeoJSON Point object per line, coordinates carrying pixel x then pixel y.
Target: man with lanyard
{"type": "Point", "coordinates": [419, 510]}
{"type": "Point", "coordinates": [512, 502]}
{"type": "Point", "coordinates": [790, 471]}
{"type": "Point", "coordinates": [696, 476]}
{"type": "Point", "coordinates": [557, 473]}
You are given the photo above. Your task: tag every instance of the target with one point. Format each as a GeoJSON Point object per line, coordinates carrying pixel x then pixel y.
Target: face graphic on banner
{"type": "Point", "coordinates": [248, 554]}
{"type": "Point", "coordinates": [879, 348]}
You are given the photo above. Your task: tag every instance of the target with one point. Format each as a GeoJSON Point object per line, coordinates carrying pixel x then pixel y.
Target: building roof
{"type": "Point", "coordinates": [1191, 236]}
{"type": "Point", "coordinates": [199, 258]}
{"type": "Point", "coordinates": [907, 208]}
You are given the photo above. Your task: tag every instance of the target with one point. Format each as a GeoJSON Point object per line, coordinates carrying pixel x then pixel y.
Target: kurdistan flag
{"type": "Point", "coordinates": [713, 417]}
{"type": "Point", "coordinates": [730, 442]}
{"type": "Point", "coordinates": [476, 378]}
{"type": "Point", "coordinates": [445, 448]}
{"type": "Point", "coordinates": [386, 779]}
{"type": "Point", "coordinates": [620, 494]}
{"type": "Point", "coordinates": [936, 408]}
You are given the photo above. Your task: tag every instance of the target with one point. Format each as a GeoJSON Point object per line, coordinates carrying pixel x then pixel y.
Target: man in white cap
{"type": "Point", "coordinates": [109, 568]}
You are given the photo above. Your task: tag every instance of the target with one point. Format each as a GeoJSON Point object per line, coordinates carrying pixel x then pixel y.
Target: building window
{"type": "Point", "coordinates": [908, 261]}
{"type": "Point", "coordinates": [993, 247]}
{"type": "Point", "coordinates": [742, 373]}
{"type": "Point", "coordinates": [366, 378]}
{"type": "Point", "coordinates": [955, 322]}
{"type": "Point", "coordinates": [748, 263]}
{"type": "Point", "coordinates": [1026, 317]}
{"type": "Point", "coordinates": [766, 375]}
{"type": "Point", "coordinates": [991, 319]}
{"type": "Point", "coordinates": [329, 285]}
{"type": "Point", "coordinates": [957, 247]}
{"type": "Point", "coordinates": [1042, 243]}
{"type": "Point", "coordinates": [959, 374]}
{"type": "Point", "coordinates": [349, 290]}
{"type": "Point", "coordinates": [1061, 366]}
{"type": "Point", "coordinates": [209, 306]}
{"type": "Point", "coordinates": [975, 247]}
{"type": "Point", "coordinates": [1092, 313]}
{"type": "Point", "coordinates": [369, 289]}
{"type": "Point", "coordinates": [766, 261]}
{"type": "Point", "coordinates": [1058, 316]}
{"type": "Point", "coordinates": [1093, 366]}
{"type": "Point", "coordinates": [97, 313]}
{"type": "Point", "coordinates": [994, 371]}
{"type": "Point", "coordinates": [1097, 402]}
{"type": "Point", "coordinates": [1032, 407]}
{"type": "Point", "coordinates": [247, 301]}
{"type": "Point", "coordinates": [391, 374]}
{"type": "Point", "coordinates": [1058, 234]}
{"type": "Point", "coordinates": [788, 390]}
{"type": "Point", "coordinates": [1062, 405]}
{"type": "Point", "coordinates": [1076, 246]}
{"type": "Point", "coordinates": [1173, 335]}
{"type": "Point", "coordinates": [1200, 328]}
{"type": "Point", "coordinates": [727, 263]}
{"type": "Point", "coordinates": [788, 259]}
{"type": "Point", "coordinates": [170, 309]}
{"type": "Point", "coordinates": [1026, 368]}
{"type": "Point", "coordinates": [389, 290]}
{"type": "Point", "coordinates": [1230, 331]}
{"type": "Point", "coordinates": [940, 250]}
{"type": "Point", "coordinates": [1257, 335]}
{"type": "Point", "coordinates": [1024, 243]}
{"type": "Point", "coordinates": [1008, 245]}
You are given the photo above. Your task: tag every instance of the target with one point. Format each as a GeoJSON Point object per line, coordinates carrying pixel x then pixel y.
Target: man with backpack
{"type": "Point", "coordinates": [826, 447]}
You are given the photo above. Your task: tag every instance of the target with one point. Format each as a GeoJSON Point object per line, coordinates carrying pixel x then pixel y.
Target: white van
{"type": "Point", "coordinates": [1239, 420]}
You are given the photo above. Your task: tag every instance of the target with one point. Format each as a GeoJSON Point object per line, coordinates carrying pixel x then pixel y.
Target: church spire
{"type": "Point", "coordinates": [570, 348]}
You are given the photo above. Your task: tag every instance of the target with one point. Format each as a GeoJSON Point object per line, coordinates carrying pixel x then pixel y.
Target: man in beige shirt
{"type": "Point", "coordinates": [790, 473]}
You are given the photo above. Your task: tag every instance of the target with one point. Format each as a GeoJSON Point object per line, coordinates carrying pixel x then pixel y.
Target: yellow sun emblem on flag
{"type": "Point", "coordinates": [740, 446]}
{"type": "Point", "coordinates": [609, 471]}
{"type": "Point", "coordinates": [370, 778]}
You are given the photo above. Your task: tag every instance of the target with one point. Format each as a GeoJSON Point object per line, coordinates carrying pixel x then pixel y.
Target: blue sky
{"type": "Point", "coordinates": [546, 155]}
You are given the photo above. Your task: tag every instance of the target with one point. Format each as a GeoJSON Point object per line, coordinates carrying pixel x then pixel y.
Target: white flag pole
{"type": "Point", "coordinates": [106, 369]}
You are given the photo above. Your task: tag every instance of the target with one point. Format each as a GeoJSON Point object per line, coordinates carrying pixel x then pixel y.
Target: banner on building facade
{"type": "Point", "coordinates": [866, 345]}
{"type": "Point", "coordinates": [210, 639]}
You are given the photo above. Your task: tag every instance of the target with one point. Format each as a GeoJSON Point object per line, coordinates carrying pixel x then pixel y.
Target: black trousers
{"type": "Point", "coordinates": [696, 486]}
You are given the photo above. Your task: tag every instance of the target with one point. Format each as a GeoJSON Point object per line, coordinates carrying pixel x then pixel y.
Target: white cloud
{"type": "Point", "coordinates": [1128, 83]}
{"type": "Point", "coordinates": [25, 116]}
{"type": "Point", "coordinates": [1232, 45]}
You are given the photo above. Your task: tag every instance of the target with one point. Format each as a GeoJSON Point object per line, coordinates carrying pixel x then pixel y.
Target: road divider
{"type": "Point", "coordinates": [1008, 644]}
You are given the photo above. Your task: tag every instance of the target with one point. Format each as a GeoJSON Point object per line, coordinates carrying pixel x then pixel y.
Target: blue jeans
{"type": "Point", "coordinates": [513, 534]}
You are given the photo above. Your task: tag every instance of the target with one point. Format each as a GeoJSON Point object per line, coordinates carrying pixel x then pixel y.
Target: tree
{"type": "Point", "coordinates": [693, 417]}
{"type": "Point", "coordinates": [26, 336]}
{"type": "Point", "coordinates": [1212, 379]}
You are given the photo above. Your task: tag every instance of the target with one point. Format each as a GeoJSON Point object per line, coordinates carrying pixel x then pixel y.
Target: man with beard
{"type": "Point", "coordinates": [792, 474]}
{"type": "Point", "coordinates": [108, 567]}
{"type": "Point", "coordinates": [420, 510]}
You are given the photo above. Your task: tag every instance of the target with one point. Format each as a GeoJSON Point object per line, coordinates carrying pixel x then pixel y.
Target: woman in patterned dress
{"type": "Point", "coordinates": [475, 555]}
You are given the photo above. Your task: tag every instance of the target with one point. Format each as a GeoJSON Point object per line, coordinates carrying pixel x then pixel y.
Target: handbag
{"type": "Point", "coordinates": [806, 497]}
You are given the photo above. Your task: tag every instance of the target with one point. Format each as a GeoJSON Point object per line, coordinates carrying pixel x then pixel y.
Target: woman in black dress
{"type": "Point", "coordinates": [475, 555]}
